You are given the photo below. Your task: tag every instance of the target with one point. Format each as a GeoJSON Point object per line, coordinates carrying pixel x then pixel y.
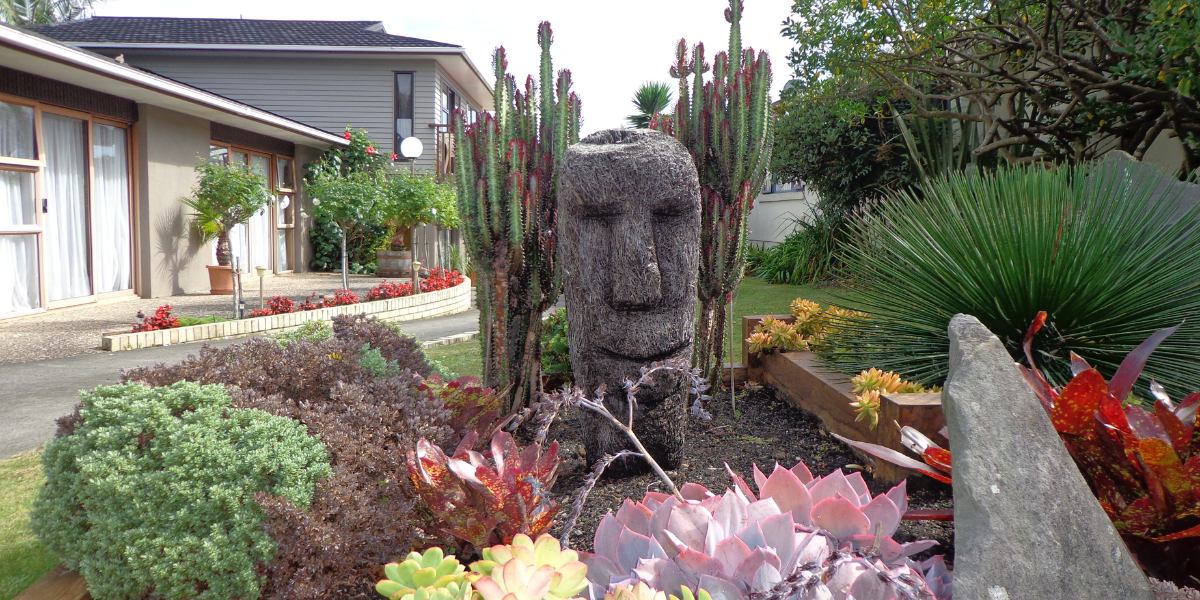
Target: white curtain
{"type": "Point", "coordinates": [18, 253]}
{"type": "Point", "coordinates": [237, 248]}
{"type": "Point", "coordinates": [16, 131]}
{"type": "Point", "coordinates": [260, 223]}
{"type": "Point", "coordinates": [66, 233]}
{"type": "Point", "coordinates": [110, 216]}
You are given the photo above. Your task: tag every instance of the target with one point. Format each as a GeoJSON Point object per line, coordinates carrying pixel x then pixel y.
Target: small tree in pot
{"type": "Point", "coordinates": [411, 200]}
{"type": "Point", "coordinates": [226, 195]}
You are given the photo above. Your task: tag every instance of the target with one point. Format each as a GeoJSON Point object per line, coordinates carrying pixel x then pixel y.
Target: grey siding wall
{"type": "Point", "coordinates": [325, 92]}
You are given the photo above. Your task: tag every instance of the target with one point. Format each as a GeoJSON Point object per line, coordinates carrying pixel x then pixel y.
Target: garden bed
{"type": "Point", "coordinates": [763, 431]}
{"type": "Point", "coordinates": [407, 308]}
{"type": "Point", "coordinates": [827, 394]}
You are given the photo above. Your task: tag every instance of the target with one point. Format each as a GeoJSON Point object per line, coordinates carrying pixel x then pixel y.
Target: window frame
{"type": "Point", "coordinates": [396, 109]}
{"type": "Point", "coordinates": [276, 190]}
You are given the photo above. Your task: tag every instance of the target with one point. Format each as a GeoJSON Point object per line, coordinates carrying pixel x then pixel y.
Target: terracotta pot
{"type": "Point", "coordinates": [220, 280]}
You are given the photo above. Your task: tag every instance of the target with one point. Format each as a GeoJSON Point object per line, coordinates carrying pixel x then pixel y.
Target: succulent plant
{"type": "Point", "coordinates": [634, 591]}
{"type": "Point", "coordinates": [487, 500]}
{"type": "Point", "coordinates": [809, 537]}
{"type": "Point", "coordinates": [570, 575]}
{"type": "Point", "coordinates": [516, 580]}
{"type": "Point", "coordinates": [427, 576]}
{"type": "Point", "coordinates": [872, 383]}
{"type": "Point", "coordinates": [866, 408]}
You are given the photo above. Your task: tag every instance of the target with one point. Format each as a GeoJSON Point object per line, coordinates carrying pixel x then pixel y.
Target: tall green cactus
{"type": "Point", "coordinates": [727, 126]}
{"type": "Point", "coordinates": [507, 165]}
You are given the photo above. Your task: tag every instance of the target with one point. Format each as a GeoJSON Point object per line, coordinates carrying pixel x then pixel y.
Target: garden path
{"type": "Point", "coordinates": [34, 394]}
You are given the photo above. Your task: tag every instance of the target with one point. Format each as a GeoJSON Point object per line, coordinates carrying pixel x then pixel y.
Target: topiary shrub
{"type": "Point", "coordinates": [153, 492]}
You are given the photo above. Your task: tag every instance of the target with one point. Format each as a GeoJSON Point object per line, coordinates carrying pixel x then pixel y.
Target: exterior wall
{"type": "Point", "coordinates": [328, 92]}
{"type": "Point", "coordinates": [304, 219]}
{"type": "Point", "coordinates": [771, 218]}
{"type": "Point", "coordinates": [171, 258]}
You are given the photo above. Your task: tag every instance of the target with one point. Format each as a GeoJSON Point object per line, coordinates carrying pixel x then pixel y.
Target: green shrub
{"type": "Point", "coordinates": [312, 331]}
{"type": "Point", "coordinates": [373, 360]}
{"type": "Point", "coordinates": [153, 493]}
{"type": "Point", "coordinates": [806, 255]}
{"type": "Point", "coordinates": [1101, 249]}
{"type": "Point", "coordinates": [556, 352]}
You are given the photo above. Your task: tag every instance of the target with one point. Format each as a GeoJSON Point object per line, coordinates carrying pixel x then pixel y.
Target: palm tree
{"type": "Point", "coordinates": [651, 98]}
{"type": "Point", "coordinates": [41, 12]}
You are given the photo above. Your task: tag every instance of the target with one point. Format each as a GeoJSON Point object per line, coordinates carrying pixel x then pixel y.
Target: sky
{"type": "Point", "coordinates": [611, 46]}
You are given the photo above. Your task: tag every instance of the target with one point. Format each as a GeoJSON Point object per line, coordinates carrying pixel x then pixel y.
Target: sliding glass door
{"type": "Point", "coordinates": [65, 208]}
{"type": "Point", "coordinates": [65, 211]}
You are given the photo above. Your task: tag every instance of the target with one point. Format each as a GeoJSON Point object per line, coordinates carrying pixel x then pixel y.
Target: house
{"type": "Point", "coordinates": [95, 157]}
{"type": "Point", "coordinates": [326, 74]}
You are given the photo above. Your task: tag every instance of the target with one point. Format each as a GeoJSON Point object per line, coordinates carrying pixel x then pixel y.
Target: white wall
{"type": "Point", "coordinates": [771, 218]}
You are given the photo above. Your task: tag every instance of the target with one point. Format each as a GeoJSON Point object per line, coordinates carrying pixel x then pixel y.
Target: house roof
{"type": "Point", "coordinates": [231, 32]}
{"type": "Point", "coordinates": [26, 51]}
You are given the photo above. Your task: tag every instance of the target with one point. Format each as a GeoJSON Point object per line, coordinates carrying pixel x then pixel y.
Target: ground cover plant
{"type": "Point", "coordinates": [132, 455]}
{"type": "Point", "coordinates": [1102, 249]}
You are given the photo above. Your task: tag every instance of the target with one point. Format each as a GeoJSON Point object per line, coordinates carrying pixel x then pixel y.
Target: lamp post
{"type": "Point", "coordinates": [261, 272]}
{"type": "Point", "coordinates": [411, 149]}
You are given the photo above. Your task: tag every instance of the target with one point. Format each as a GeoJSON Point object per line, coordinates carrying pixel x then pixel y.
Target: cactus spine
{"type": "Point", "coordinates": [728, 127]}
{"type": "Point", "coordinates": [507, 177]}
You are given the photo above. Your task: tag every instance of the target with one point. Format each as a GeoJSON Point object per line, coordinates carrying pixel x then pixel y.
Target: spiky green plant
{"type": "Point", "coordinates": [651, 98]}
{"type": "Point", "coordinates": [727, 125]}
{"type": "Point", "coordinates": [1106, 250]}
{"type": "Point", "coordinates": [507, 177]}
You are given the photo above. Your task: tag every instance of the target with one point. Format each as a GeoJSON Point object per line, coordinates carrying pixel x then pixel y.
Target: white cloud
{"type": "Point", "coordinates": [611, 46]}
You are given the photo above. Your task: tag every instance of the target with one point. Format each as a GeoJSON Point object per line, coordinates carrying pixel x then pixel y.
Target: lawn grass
{"type": "Point", "coordinates": [23, 559]}
{"type": "Point", "coordinates": [755, 297]}
{"type": "Point", "coordinates": [186, 320]}
{"type": "Point", "coordinates": [462, 358]}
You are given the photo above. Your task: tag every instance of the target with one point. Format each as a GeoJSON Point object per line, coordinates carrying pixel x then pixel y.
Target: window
{"type": "Point", "coordinates": [16, 131]}
{"type": "Point", "coordinates": [404, 108]}
{"type": "Point", "coordinates": [449, 103]}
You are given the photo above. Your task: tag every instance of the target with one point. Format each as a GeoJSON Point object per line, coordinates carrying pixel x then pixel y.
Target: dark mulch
{"type": "Point", "coordinates": [765, 430]}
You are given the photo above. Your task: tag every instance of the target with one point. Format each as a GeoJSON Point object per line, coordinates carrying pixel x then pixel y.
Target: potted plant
{"type": "Point", "coordinates": [412, 200]}
{"type": "Point", "coordinates": [225, 195]}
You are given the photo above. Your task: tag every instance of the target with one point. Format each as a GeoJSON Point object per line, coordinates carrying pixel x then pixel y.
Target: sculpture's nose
{"type": "Point", "coordinates": [636, 281]}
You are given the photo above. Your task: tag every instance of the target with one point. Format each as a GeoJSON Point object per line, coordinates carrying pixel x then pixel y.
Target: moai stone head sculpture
{"type": "Point", "coordinates": [628, 237]}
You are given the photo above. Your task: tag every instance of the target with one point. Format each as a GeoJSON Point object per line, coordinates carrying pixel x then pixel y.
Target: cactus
{"type": "Point", "coordinates": [726, 124]}
{"type": "Point", "coordinates": [428, 576]}
{"type": "Point", "coordinates": [506, 175]}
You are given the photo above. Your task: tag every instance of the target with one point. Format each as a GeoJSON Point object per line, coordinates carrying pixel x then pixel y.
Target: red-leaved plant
{"type": "Point", "coordinates": [440, 279]}
{"type": "Point", "coordinates": [276, 305]}
{"type": "Point", "coordinates": [389, 289]}
{"type": "Point", "coordinates": [162, 319]}
{"type": "Point", "coordinates": [341, 298]}
{"type": "Point", "coordinates": [486, 500]}
{"type": "Point", "coordinates": [1143, 465]}
{"type": "Point", "coordinates": [474, 409]}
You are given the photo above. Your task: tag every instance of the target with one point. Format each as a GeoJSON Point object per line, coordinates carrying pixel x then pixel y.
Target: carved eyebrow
{"type": "Point", "coordinates": [593, 206]}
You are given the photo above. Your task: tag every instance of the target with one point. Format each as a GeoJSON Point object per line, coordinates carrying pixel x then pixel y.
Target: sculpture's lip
{"type": "Point", "coordinates": [649, 355]}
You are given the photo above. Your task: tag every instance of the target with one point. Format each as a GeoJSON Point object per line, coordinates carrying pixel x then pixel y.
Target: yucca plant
{"type": "Point", "coordinates": [1109, 252]}
{"type": "Point", "coordinates": [651, 98]}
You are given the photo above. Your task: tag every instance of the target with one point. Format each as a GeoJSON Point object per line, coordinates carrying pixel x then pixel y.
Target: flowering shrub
{"type": "Point", "coordinates": [341, 298]}
{"type": "Point", "coordinates": [388, 290]}
{"type": "Point", "coordinates": [310, 303]}
{"type": "Point", "coordinates": [487, 500]}
{"type": "Point", "coordinates": [162, 319]}
{"type": "Point", "coordinates": [800, 537]}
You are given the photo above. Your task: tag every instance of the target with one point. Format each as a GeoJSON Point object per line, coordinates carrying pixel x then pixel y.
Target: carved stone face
{"type": "Point", "coordinates": [629, 222]}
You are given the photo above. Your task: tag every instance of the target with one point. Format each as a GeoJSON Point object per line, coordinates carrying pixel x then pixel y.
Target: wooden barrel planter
{"type": "Point", "coordinates": [394, 263]}
{"type": "Point", "coordinates": [811, 387]}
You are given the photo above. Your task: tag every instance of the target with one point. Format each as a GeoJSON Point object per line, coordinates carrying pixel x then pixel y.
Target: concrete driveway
{"type": "Point", "coordinates": [34, 394]}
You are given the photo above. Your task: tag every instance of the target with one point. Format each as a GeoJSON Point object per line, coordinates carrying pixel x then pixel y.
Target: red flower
{"type": "Point", "coordinates": [347, 134]}
{"type": "Point", "coordinates": [370, 149]}
{"type": "Point", "coordinates": [395, 157]}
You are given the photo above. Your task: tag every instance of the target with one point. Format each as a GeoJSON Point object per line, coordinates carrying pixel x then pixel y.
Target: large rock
{"type": "Point", "coordinates": [629, 244]}
{"type": "Point", "coordinates": [1026, 526]}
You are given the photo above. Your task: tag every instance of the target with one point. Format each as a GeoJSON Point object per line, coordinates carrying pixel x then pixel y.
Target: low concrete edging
{"type": "Point", "coordinates": [407, 308]}
{"type": "Point", "coordinates": [809, 386]}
